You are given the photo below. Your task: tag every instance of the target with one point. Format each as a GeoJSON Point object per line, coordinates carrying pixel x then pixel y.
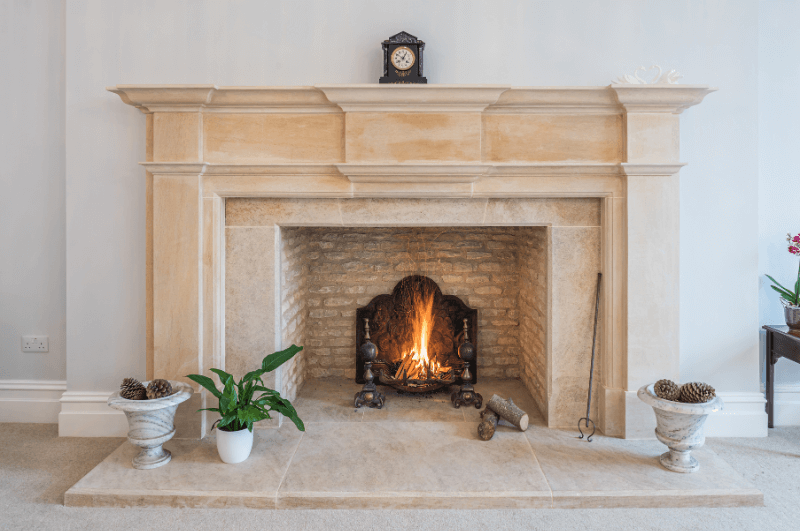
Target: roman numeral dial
{"type": "Point", "coordinates": [403, 58]}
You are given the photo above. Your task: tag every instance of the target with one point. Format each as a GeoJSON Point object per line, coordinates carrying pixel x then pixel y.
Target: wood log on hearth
{"type": "Point", "coordinates": [509, 411]}
{"type": "Point", "coordinates": [488, 425]}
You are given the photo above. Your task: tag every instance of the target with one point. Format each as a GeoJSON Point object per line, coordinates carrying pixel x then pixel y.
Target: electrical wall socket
{"type": "Point", "coordinates": [35, 344]}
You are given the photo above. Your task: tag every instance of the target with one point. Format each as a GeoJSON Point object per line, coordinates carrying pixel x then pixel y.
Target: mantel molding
{"type": "Point", "coordinates": [464, 173]}
{"type": "Point", "coordinates": [413, 98]}
{"type": "Point", "coordinates": [388, 98]}
{"type": "Point", "coordinates": [672, 99]}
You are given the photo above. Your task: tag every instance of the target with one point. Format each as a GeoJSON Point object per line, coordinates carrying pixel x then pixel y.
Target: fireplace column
{"type": "Point", "coordinates": [651, 209]}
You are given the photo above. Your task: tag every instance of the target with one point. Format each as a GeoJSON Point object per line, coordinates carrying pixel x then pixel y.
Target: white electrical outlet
{"type": "Point", "coordinates": [35, 344]}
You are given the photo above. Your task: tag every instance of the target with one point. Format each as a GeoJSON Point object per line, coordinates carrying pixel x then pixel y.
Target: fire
{"type": "Point", "coordinates": [416, 362]}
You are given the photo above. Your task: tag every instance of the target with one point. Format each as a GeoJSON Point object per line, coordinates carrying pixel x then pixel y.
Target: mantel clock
{"type": "Point", "coordinates": [402, 59]}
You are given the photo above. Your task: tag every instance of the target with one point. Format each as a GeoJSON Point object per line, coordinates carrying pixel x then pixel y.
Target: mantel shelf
{"type": "Point", "coordinates": [388, 98]}
{"type": "Point", "coordinates": [410, 173]}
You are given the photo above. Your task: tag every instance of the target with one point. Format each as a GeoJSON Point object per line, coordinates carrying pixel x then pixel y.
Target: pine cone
{"type": "Point", "coordinates": [159, 389]}
{"type": "Point", "coordinates": [132, 389]}
{"type": "Point", "coordinates": [697, 393]}
{"type": "Point", "coordinates": [667, 389]}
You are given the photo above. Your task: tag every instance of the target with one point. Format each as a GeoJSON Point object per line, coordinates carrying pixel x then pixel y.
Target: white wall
{"type": "Point", "coordinates": [32, 238]}
{"type": "Point", "coordinates": [779, 176]}
{"type": "Point", "coordinates": [306, 42]}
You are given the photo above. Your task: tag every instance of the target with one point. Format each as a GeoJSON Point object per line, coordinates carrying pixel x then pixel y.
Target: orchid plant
{"type": "Point", "coordinates": [789, 297]}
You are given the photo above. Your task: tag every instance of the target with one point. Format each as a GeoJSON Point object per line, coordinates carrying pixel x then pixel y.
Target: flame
{"type": "Point", "coordinates": [416, 362]}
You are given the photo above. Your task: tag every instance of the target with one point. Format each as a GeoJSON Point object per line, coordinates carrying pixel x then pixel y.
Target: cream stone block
{"type": "Point", "coordinates": [431, 212]}
{"type": "Point", "coordinates": [652, 279]}
{"type": "Point", "coordinates": [269, 212]}
{"type": "Point", "coordinates": [577, 185]}
{"type": "Point", "coordinates": [653, 137]}
{"type": "Point", "coordinates": [176, 276]}
{"type": "Point", "coordinates": [584, 212]}
{"type": "Point", "coordinates": [261, 138]}
{"type": "Point", "coordinates": [277, 185]}
{"type": "Point", "coordinates": [251, 298]}
{"type": "Point", "coordinates": [576, 262]}
{"type": "Point", "coordinates": [365, 461]}
{"type": "Point", "coordinates": [542, 137]}
{"type": "Point", "coordinates": [611, 473]}
{"type": "Point", "coordinates": [148, 249]}
{"type": "Point", "coordinates": [177, 137]}
{"type": "Point", "coordinates": [413, 137]}
{"type": "Point", "coordinates": [611, 411]}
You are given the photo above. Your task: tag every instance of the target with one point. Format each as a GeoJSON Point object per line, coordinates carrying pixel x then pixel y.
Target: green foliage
{"type": "Point", "coordinates": [792, 297]}
{"type": "Point", "coordinates": [239, 406]}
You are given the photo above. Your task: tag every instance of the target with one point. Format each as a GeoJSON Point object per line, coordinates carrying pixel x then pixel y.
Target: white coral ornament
{"type": "Point", "coordinates": [657, 78]}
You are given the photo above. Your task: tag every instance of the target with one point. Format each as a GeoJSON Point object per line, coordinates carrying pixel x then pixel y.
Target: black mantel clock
{"type": "Point", "coordinates": [402, 59]}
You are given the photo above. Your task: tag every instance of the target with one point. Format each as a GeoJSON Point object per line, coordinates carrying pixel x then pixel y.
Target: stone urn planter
{"type": "Point", "coordinates": [151, 423]}
{"type": "Point", "coordinates": [680, 426]}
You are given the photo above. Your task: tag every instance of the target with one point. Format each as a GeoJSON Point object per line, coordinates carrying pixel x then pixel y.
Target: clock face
{"type": "Point", "coordinates": [403, 58]}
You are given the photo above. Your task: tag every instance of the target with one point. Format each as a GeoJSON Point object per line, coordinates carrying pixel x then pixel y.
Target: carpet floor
{"type": "Point", "coordinates": [37, 467]}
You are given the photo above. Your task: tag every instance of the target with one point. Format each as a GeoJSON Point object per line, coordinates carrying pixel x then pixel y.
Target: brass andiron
{"type": "Point", "coordinates": [466, 395]}
{"type": "Point", "coordinates": [369, 394]}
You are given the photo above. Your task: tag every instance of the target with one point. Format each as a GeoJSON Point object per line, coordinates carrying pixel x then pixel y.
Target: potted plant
{"type": "Point", "coordinates": [790, 298]}
{"type": "Point", "coordinates": [243, 403]}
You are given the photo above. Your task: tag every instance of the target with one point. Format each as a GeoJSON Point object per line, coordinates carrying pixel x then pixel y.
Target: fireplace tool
{"type": "Point", "coordinates": [466, 395]}
{"type": "Point", "coordinates": [369, 394]}
{"type": "Point", "coordinates": [591, 370]}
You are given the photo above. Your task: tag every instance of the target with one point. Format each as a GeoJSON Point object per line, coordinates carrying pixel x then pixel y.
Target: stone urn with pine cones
{"type": "Point", "coordinates": [150, 408]}
{"type": "Point", "coordinates": [681, 412]}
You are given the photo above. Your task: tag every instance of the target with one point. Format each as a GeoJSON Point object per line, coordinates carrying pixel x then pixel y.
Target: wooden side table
{"type": "Point", "coordinates": [780, 344]}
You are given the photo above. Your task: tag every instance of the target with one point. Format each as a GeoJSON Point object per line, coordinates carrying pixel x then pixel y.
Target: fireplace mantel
{"type": "Point", "coordinates": [618, 143]}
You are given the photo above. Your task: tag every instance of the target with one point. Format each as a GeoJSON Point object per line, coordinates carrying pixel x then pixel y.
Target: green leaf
{"type": "Point", "coordinates": [290, 413]}
{"type": "Point", "coordinates": [275, 360]}
{"type": "Point", "coordinates": [785, 294]}
{"type": "Point", "coordinates": [253, 375]}
{"type": "Point", "coordinates": [206, 382]}
{"type": "Point", "coordinates": [223, 376]}
{"type": "Point", "coordinates": [778, 283]}
{"type": "Point", "coordinates": [209, 409]}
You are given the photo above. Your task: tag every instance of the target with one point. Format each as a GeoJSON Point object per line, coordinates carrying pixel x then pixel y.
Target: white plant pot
{"type": "Point", "coordinates": [151, 423]}
{"type": "Point", "coordinates": [680, 427]}
{"type": "Point", "coordinates": [234, 446]}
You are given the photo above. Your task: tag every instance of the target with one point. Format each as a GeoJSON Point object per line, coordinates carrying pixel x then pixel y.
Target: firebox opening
{"type": "Point", "coordinates": [501, 272]}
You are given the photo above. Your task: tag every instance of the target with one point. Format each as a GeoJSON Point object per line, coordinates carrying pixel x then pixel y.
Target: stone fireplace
{"type": "Point", "coordinates": [276, 212]}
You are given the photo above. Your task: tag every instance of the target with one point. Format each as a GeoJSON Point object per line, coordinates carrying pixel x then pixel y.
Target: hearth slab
{"type": "Point", "coordinates": [345, 461]}
{"type": "Point", "coordinates": [611, 472]}
{"type": "Point", "coordinates": [195, 477]}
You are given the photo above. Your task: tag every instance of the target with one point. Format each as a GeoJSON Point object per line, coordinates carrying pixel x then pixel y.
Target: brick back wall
{"type": "Point", "coordinates": [294, 277]}
{"type": "Point", "coordinates": [346, 267]}
{"type": "Point", "coordinates": [533, 259]}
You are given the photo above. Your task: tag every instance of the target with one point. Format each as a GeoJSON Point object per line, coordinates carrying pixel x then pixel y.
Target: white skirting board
{"type": "Point", "coordinates": [86, 414]}
{"type": "Point", "coordinates": [31, 400]}
{"type": "Point", "coordinates": [787, 405]}
{"type": "Point", "coordinates": [743, 415]}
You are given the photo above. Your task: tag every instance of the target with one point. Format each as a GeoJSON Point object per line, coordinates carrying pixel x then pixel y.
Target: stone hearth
{"type": "Point", "coordinates": [367, 459]}
{"type": "Point", "coordinates": [368, 156]}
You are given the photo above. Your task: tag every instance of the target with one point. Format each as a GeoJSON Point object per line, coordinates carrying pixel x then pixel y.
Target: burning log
{"type": "Point", "coordinates": [509, 411]}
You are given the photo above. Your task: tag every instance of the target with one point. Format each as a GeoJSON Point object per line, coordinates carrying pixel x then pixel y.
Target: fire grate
{"type": "Point", "coordinates": [417, 331]}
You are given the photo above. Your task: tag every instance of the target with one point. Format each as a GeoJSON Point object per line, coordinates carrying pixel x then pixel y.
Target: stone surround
{"type": "Point", "coordinates": [486, 259]}
{"type": "Point", "coordinates": [361, 145]}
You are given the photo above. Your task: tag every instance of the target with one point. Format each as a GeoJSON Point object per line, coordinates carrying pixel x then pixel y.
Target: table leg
{"type": "Point", "coordinates": [770, 381]}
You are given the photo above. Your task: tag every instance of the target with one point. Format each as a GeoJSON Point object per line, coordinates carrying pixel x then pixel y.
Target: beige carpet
{"type": "Point", "coordinates": [37, 467]}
